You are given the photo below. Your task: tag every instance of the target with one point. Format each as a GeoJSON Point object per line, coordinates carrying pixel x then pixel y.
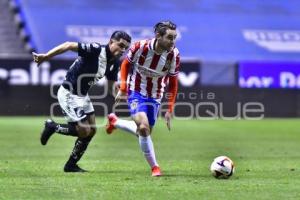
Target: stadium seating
{"type": "Point", "coordinates": [11, 42]}
{"type": "Point", "coordinates": [210, 30]}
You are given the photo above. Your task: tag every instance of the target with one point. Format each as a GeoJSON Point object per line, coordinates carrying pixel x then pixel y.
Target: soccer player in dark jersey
{"type": "Point", "coordinates": [94, 62]}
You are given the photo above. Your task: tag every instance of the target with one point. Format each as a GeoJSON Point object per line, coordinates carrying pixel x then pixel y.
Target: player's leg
{"type": "Point", "coordinates": [113, 122]}
{"type": "Point", "coordinates": [145, 116]}
{"type": "Point", "coordinates": [152, 114]}
{"type": "Point", "coordinates": [86, 129]}
{"type": "Point", "coordinates": [145, 141]}
{"type": "Point", "coordinates": [75, 109]}
{"type": "Point", "coordinates": [51, 127]}
{"type": "Point", "coordinates": [129, 126]}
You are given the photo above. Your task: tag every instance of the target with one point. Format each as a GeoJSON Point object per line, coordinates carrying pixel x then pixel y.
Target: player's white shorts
{"type": "Point", "coordinates": [73, 106]}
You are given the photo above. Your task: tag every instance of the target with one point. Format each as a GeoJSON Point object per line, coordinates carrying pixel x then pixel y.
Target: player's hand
{"type": "Point", "coordinates": [39, 58]}
{"type": "Point", "coordinates": [168, 117]}
{"type": "Point", "coordinates": [121, 96]}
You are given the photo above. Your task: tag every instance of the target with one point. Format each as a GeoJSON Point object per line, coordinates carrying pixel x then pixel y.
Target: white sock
{"type": "Point", "coordinates": [148, 150]}
{"type": "Point", "coordinates": [126, 125]}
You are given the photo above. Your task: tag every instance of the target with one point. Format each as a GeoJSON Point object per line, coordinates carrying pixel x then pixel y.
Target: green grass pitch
{"type": "Point", "coordinates": [266, 154]}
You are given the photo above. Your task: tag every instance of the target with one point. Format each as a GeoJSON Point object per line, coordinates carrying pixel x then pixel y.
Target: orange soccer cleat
{"type": "Point", "coordinates": [156, 171]}
{"type": "Point", "coordinates": [110, 126]}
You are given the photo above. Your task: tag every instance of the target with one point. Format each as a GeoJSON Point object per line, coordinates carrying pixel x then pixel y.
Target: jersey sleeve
{"type": "Point", "coordinates": [175, 64]}
{"type": "Point", "coordinates": [113, 74]}
{"type": "Point", "coordinates": [124, 74]}
{"type": "Point", "coordinates": [132, 53]}
{"type": "Point", "coordinates": [173, 88]}
{"type": "Point", "coordinates": [89, 49]}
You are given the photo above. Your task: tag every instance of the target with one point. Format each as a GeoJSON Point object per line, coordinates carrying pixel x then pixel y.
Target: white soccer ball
{"type": "Point", "coordinates": [222, 167]}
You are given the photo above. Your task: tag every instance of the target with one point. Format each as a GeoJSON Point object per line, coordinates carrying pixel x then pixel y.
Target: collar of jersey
{"type": "Point", "coordinates": [152, 44]}
{"type": "Point", "coordinates": [109, 55]}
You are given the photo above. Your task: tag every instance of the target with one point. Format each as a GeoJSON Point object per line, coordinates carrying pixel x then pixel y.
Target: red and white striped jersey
{"type": "Point", "coordinates": [150, 70]}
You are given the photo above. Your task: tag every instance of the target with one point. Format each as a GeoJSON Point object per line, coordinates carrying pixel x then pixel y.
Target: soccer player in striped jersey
{"type": "Point", "coordinates": [155, 64]}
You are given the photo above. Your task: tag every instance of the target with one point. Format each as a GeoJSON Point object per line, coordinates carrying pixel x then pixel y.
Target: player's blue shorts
{"type": "Point", "coordinates": [139, 103]}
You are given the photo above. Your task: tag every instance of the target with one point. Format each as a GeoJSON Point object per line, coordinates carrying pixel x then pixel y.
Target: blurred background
{"type": "Point", "coordinates": [233, 52]}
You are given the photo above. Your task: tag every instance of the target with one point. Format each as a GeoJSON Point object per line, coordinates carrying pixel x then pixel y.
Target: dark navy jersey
{"type": "Point", "coordinates": [93, 63]}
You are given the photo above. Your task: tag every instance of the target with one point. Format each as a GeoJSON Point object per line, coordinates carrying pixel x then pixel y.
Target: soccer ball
{"type": "Point", "coordinates": [222, 167]}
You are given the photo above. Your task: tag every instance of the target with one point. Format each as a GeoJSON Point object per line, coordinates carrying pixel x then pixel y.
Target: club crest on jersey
{"type": "Point", "coordinates": [134, 105]}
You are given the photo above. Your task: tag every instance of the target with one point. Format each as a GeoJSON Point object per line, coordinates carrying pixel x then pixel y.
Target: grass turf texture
{"type": "Point", "coordinates": [266, 154]}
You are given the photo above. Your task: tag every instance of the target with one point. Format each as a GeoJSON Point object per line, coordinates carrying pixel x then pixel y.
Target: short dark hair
{"type": "Point", "coordinates": [161, 27]}
{"type": "Point", "coordinates": [117, 35]}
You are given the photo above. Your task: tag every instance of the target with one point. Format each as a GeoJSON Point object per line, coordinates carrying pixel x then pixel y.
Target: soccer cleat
{"type": "Point", "coordinates": [110, 126]}
{"type": "Point", "coordinates": [156, 171]}
{"type": "Point", "coordinates": [49, 129]}
{"type": "Point", "coordinates": [73, 168]}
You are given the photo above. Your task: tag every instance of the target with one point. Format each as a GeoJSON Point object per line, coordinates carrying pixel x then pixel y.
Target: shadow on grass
{"type": "Point", "coordinates": [184, 175]}
{"type": "Point", "coordinates": [147, 173]}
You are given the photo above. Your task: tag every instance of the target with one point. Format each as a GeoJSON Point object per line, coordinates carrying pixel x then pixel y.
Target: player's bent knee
{"type": "Point", "coordinates": [93, 131]}
{"type": "Point", "coordinates": [84, 131]}
{"type": "Point", "coordinates": [144, 130]}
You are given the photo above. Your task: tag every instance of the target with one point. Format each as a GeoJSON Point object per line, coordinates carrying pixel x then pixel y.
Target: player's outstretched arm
{"type": "Point", "coordinates": [66, 46]}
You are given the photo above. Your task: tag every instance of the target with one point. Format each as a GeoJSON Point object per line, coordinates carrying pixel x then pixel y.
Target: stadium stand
{"type": "Point", "coordinates": [210, 30]}
{"type": "Point", "coordinates": [10, 39]}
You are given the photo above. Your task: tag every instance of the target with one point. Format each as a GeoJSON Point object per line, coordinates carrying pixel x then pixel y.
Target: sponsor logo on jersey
{"type": "Point", "coordinates": [149, 72]}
